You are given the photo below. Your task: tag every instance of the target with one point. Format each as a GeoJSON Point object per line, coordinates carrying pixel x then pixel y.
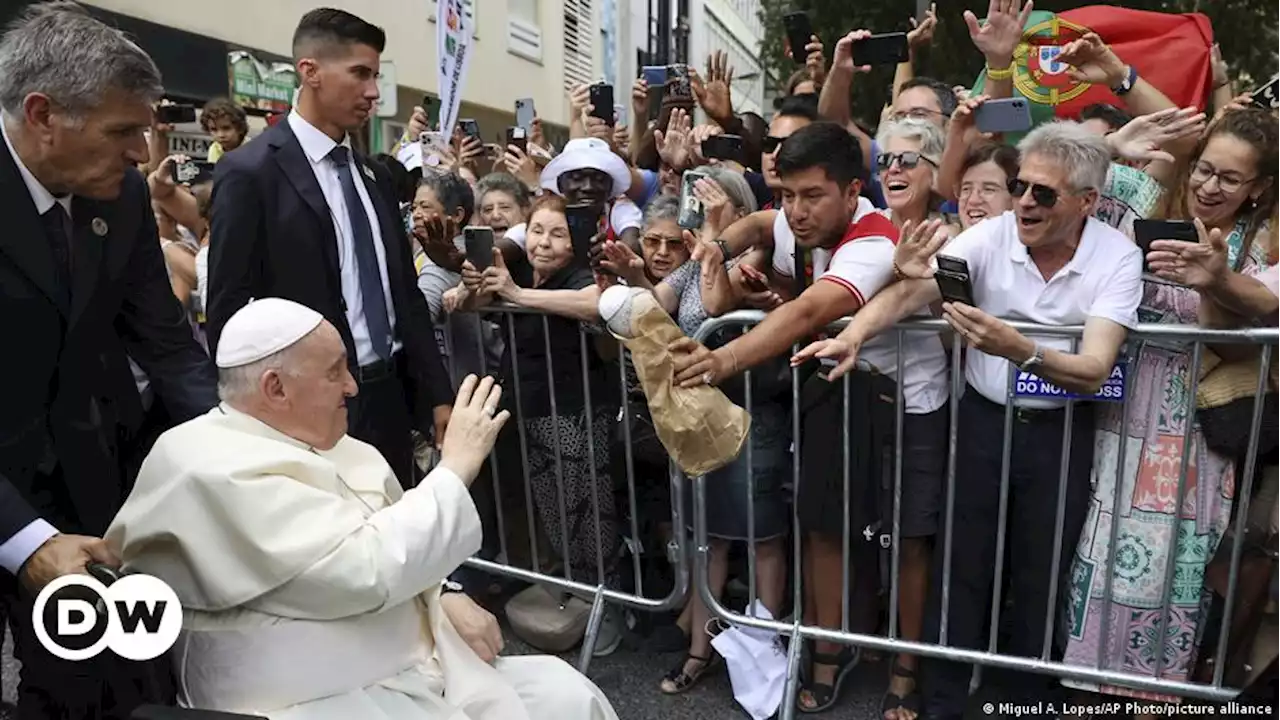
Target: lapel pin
{"type": "Point", "coordinates": [99, 227]}
{"type": "Point", "coordinates": [368, 173]}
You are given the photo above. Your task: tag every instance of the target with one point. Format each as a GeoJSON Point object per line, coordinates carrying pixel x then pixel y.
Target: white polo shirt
{"type": "Point", "coordinates": [1103, 279]}
{"type": "Point", "coordinates": [863, 265]}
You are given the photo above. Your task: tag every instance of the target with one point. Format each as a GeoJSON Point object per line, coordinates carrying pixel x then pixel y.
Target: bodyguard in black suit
{"type": "Point", "coordinates": [297, 214]}
{"type": "Point", "coordinates": [82, 283]}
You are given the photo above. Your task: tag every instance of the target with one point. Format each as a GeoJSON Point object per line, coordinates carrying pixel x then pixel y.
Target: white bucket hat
{"type": "Point", "coordinates": [587, 153]}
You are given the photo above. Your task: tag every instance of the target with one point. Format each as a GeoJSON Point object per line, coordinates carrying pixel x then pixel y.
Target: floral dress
{"type": "Point", "coordinates": [1150, 524]}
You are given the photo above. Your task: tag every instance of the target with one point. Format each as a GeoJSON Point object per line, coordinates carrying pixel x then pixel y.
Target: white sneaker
{"type": "Point", "coordinates": [611, 632]}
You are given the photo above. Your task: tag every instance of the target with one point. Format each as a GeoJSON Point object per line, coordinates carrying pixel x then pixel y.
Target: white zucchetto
{"type": "Point", "coordinates": [263, 328]}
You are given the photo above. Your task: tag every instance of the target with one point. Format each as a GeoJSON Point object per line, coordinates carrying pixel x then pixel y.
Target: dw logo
{"type": "Point", "coordinates": [138, 617]}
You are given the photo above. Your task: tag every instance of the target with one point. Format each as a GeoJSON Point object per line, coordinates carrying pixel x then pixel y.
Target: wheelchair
{"type": "Point", "coordinates": [107, 575]}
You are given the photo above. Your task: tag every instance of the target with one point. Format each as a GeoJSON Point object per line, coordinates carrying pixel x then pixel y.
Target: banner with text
{"type": "Point", "coordinates": [454, 35]}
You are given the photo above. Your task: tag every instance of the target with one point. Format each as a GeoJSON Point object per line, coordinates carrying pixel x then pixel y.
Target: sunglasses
{"type": "Point", "coordinates": [770, 144]}
{"type": "Point", "coordinates": [1045, 197]}
{"type": "Point", "coordinates": [906, 160]}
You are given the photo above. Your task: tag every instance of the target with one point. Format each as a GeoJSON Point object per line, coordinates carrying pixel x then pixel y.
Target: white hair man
{"type": "Point", "coordinates": [311, 583]}
{"type": "Point", "coordinates": [1046, 262]}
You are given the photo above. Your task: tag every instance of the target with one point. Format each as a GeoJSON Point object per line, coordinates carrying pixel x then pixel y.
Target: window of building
{"type": "Point", "coordinates": [579, 42]}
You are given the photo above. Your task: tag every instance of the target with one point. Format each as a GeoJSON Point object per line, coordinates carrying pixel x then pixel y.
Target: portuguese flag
{"type": "Point", "coordinates": [1170, 51]}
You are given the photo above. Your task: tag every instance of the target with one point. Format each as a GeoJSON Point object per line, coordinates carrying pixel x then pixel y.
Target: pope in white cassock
{"type": "Point", "coordinates": [310, 582]}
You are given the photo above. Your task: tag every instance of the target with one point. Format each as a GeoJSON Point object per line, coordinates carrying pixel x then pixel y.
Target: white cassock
{"type": "Point", "coordinates": [310, 583]}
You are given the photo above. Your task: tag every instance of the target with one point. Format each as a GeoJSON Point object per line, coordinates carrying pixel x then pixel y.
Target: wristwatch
{"type": "Point", "coordinates": [1130, 77]}
{"type": "Point", "coordinates": [724, 250]}
{"type": "Point", "coordinates": [1033, 362]}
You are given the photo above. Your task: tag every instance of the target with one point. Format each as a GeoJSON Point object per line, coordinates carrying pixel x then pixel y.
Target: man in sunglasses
{"type": "Point", "coordinates": [1046, 262]}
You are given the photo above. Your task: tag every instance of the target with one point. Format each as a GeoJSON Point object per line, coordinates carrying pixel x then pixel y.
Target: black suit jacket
{"type": "Point", "coordinates": [69, 393]}
{"type": "Point", "coordinates": [273, 236]}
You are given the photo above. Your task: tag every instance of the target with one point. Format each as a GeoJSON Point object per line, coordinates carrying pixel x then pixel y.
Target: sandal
{"type": "Point", "coordinates": [909, 702]}
{"type": "Point", "coordinates": [680, 681]}
{"type": "Point", "coordinates": [825, 696]}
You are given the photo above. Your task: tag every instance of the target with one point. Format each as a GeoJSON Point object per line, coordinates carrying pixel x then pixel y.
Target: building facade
{"type": "Point", "coordinates": [523, 48]}
{"type": "Point", "coordinates": [696, 29]}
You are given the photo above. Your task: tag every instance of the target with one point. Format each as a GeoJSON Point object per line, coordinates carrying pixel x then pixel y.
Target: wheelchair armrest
{"type": "Point", "coordinates": [157, 712]}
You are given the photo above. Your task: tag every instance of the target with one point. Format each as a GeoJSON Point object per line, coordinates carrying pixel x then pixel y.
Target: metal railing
{"type": "Point", "coordinates": [798, 632]}
{"type": "Point", "coordinates": [598, 593]}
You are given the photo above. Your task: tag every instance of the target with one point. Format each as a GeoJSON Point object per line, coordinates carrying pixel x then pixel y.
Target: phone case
{"type": "Point", "coordinates": [479, 246]}
{"type": "Point", "coordinates": [1146, 231]}
{"type": "Point", "coordinates": [883, 49]}
{"type": "Point", "coordinates": [1003, 115]}
{"type": "Point", "coordinates": [799, 31]}
{"type": "Point", "coordinates": [955, 287]}
{"type": "Point", "coordinates": [691, 211]}
{"type": "Point", "coordinates": [601, 97]}
{"type": "Point", "coordinates": [722, 147]}
{"type": "Point", "coordinates": [525, 113]}
{"type": "Point", "coordinates": [950, 264]}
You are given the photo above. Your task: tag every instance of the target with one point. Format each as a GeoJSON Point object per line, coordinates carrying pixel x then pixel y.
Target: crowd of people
{"type": "Point", "coordinates": [1087, 534]}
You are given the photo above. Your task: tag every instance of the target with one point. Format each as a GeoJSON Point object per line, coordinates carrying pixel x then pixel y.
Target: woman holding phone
{"type": "Point", "coordinates": [1229, 186]}
{"type": "Point", "coordinates": [567, 394]}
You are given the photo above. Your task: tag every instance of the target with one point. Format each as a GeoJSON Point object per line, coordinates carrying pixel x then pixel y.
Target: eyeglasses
{"type": "Point", "coordinates": [906, 160]}
{"type": "Point", "coordinates": [1045, 196]}
{"type": "Point", "coordinates": [770, 144]}
{"type": "Point", "coordinates": [918, 113]}
{"type": "Point", "coordinates": [1203, 172]}
{"type": "Point", "coordinates": [656, 241]}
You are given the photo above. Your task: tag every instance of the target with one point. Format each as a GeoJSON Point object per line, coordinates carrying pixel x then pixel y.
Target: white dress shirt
{"type": "Point", "coordinates": [1103, 279]}
{"type": "Point", "coordinates": [317, 146]}
{"type": "Point", "coordinates": [20, 546]}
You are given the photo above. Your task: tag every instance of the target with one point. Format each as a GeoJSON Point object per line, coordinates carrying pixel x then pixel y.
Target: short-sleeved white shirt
{"type": "Point", "coordinates": [623, 216]}
{"type": "Point", "coordinates": [1103, 279]}
{"type": "Point", "coordinates": [863, 264]}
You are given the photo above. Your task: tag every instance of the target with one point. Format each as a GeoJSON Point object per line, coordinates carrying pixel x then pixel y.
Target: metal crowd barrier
{"type": "Point", "coordinates": [598, 594]}
{"type": "Point", "coordinates": [798, 632]}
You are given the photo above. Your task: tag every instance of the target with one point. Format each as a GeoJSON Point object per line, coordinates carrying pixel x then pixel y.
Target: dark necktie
{"type": "Point", "coordinates": [57, 224]}
{"type": "Point", "coordinates": [375, 304]}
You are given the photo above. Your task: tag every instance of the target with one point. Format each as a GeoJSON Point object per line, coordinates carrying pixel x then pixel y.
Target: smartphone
{"type": "Point", "coordinates": [434, 147]}
{"type": "Point", "coordinates": [1003, 115]}
{"type": "Point", "coordinates": [655, 76]}
{"type": "Point", "coordinates": [799, 33]}
{"type": "Point", "coordinates": [469, 128]}
{"type": "Point", "coordinates": [175, 114]}
{"type": "Point", "coordinates": [1265, 97]}
{"type": "Point", "coordinates": [692, 213]}
{"type": "Point", "coordinates": [678, 83]}
{"type": "Point", "coordinates": [1146, 231]}
{"type": "Point", "coordinates": [952, 276]}
{"type": "Point", "coordinates": [192, 172]}
{"type": "Point", "coordinates": [478, 241]}
{"type": "Point", "coordinates": [723, 147]}
{"type": "Point", "coordinates": [431, 106]}
{"type": "Point", "coordinates": [519, 137]}
{"type": "Point", "coordinates": [881, 49]}
{"type": "Point", "coordinates": [525, 113]}
{"type": "Point", "coordinates": [601, 99]}
{"type": "Point", "coordinates": [584, 225]}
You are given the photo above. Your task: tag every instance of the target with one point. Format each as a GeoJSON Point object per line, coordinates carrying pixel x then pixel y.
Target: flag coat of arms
{"type": "Point", "coordinates": [1172, 52]}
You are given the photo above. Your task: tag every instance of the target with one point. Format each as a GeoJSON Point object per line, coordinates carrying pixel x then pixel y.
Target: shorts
{"type": "Point", "coordinates": [821, 504]}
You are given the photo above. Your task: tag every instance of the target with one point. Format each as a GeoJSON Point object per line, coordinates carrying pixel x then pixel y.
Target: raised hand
{"type": "Point", "coordinates": [717, 210]}
{"type": "Point", "coordinates": [916, 248]}
{"type": "Point", "coordinates": [999, 36]}
{"type": "Point", "coordinates": [921, 34]}
{"type": "Point", "coordinates": [1092, 61]}
{"type": "Point", "coordinates": [843, 59]}
{"type": "Point", "coordinates": [815, 62]}
{"type": "Point", "coordinates": [521, 166]}
{"type": "Point", "coordinates": [622, 261]}
{"type": "Point", "coordinates": [673, 145]}
{"type": "Point", "coordinates": [473, 427]}
{"type": "Point", "coordinates": [714, 93]}
{"type": "Point", "coordinates": [1142, 139]}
